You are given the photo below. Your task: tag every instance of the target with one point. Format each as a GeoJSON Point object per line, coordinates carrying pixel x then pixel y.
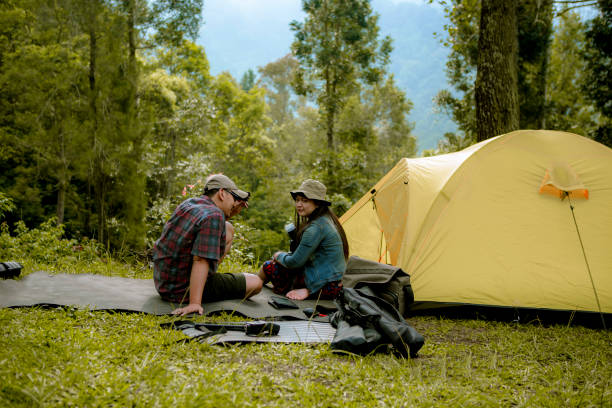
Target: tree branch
{"type": "Point", "coordinates": [582, 4]}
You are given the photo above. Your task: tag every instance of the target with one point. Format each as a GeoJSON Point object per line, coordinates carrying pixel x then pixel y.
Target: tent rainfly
{"type": "Point", "coordinates": [519, 220]}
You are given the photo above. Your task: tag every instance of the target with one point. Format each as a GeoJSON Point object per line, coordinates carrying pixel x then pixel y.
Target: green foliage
{"type": "Point", "coordinates": [47, 248]}
{"type": "Point", "coordinates": [187, 60]}
{"type": "Point", "coordinates": [175, 20]}
{"type": "Point", "coordinates": [6, 204]}
{"type": "Point", "coordinates": [45, 245]}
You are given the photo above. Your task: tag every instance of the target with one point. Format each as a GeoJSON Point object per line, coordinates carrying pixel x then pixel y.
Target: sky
{"type": "Point", "coordinates": [236, 19]}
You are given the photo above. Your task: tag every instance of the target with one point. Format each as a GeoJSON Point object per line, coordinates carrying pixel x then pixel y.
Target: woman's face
{"type": "Point", "coordinates": [304, 206]}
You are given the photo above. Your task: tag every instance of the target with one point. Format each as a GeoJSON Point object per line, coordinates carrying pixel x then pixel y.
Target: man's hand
{"type": "Point", "coordinates": [190, 308]}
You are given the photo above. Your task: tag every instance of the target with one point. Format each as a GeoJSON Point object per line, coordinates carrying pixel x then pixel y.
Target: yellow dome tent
{"type": "Point", "coordinates": [520, 220]}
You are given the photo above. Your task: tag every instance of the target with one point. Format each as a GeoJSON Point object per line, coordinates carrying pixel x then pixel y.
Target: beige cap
{"type": "Point", "coordinates": [313, 190]}
{"type": "Point", "coordinates": [218, 181]}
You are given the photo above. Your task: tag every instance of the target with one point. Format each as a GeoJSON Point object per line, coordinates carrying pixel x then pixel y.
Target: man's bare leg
{"type": "Point", "coordinates": [253, 284]}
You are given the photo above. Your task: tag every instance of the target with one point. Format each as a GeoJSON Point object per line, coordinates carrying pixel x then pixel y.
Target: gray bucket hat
{"type": "Point", "coordinates": [313, 190]}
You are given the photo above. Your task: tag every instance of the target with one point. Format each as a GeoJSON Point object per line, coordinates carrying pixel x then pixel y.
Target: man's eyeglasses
{"type": "Point", "coordinates": [238, 198]}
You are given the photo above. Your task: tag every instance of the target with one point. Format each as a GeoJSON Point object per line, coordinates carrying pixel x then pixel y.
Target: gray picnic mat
{"type": "Point", "coordinates": [97, 292]}
{"type": "Point", "coordinates": [297, 331]}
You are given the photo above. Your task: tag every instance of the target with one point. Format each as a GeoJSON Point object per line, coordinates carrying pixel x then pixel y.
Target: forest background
{"type": "Point", "coordinates": [109, 114]}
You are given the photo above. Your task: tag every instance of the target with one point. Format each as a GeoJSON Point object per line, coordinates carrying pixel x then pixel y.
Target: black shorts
{"type": "Point", "coordinates": [222, 286]}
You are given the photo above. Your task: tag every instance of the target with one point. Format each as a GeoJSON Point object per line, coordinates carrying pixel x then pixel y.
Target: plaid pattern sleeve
{"type": "Point", "coordinates": [197, 227]}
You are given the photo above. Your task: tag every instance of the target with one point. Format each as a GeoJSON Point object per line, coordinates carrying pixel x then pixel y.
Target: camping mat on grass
{"type": "Point", "coordinates": [97, 292]}
{"type": "Point", "coordinates": [297, 331]}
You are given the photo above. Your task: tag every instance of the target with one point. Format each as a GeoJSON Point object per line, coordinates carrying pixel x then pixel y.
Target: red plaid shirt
{"type": "Point", "coordinates": [196, 228]}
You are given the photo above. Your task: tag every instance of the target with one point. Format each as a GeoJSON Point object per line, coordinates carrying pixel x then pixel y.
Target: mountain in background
{"type": "Point", "coordinates": [239, 35]}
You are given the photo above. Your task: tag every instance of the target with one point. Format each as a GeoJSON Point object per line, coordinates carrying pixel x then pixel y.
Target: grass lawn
{"type": "Point", "coordinates": [81, 358]}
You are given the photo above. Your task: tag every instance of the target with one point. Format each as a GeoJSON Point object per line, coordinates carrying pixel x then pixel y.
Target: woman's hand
{"type": "Point", "coordinates": [276, 254]}
{"type": "Point", "coordinates": [190, 308]}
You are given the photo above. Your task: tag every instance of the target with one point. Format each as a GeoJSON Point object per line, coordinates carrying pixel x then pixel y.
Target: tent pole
{"type": "Point", "coordinates": [382, 234]}
{"type": "Point", "coordinates": [603, 322]}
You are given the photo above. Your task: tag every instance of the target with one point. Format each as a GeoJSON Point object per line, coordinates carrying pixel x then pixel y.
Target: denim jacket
{"type": "Point", "coordinates": [320, 253]}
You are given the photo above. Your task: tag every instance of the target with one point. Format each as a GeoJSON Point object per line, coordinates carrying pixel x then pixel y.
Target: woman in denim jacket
{"type": "Point", "coordinates": [315, 268]}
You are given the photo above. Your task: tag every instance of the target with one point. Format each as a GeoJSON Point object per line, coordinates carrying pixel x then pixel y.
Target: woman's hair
{"type": "Point", "coordinates": [322, 209]}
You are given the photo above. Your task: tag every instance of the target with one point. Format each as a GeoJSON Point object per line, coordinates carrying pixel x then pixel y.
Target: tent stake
{"type": "Point", "coordinates": [603, 322]}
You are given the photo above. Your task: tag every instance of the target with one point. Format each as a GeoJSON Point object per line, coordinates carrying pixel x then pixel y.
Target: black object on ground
{"type": "Point", "coordinates": [10, 270]}
{"type": "Point", "coordinates": [281, 302]}
{"type": "Point", "coordinates": [366, 323]}
{"type": "Point", "coordinates": [256, 328]}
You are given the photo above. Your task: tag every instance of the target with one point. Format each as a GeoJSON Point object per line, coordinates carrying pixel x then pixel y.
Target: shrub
{"type": "Point", "coordinates": [45, 244]}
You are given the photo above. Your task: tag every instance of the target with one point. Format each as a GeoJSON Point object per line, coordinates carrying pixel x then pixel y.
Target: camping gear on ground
{"type": "Point", "coordinates": [10, 270]}
{"type": "Point", "coordinates": [521, 220]}
{"type": "Point", "coordinates": [255, 328]}
{"type": "Point", "coordinates": [366, 323]}
{"type": "Point", "coordinates": [281, 302]}
{"type": "Point", "coordinates": [97, 292]}
{"type": "Point", "coordinates": [388, 282]}
{"type": "Point", "coordinates": [297, 331]}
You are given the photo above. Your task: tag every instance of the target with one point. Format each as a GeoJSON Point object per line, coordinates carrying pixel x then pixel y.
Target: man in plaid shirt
{"type": "Point", "coordinates": [193, 242]}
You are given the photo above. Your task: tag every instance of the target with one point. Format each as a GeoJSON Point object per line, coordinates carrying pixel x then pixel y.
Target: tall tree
{"type": "Point", "coordinates": [248, 80]}
{"type": "Point", "coordinates": [496, 87]}
{"type": "Point", "coordinates": [337, 47]}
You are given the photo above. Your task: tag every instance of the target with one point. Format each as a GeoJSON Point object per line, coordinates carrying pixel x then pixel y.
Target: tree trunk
{"type": "Point", "coordinates": [496, 89]}
{"type": "Point", "coordinates": [96, 177]}
{"type": "Point", "coordinates": [61, 202]}
{"type": "Point", "coordinates": [62, 182]}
